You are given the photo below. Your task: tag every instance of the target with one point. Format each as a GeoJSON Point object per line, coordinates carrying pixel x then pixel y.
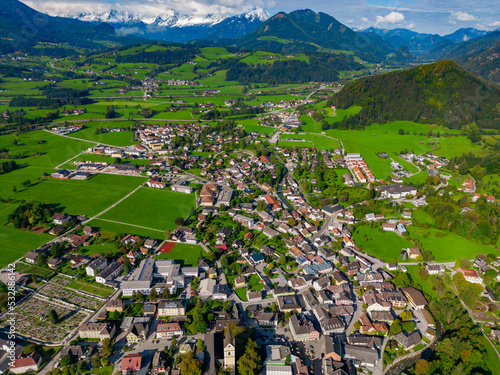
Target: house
{"type": "Point", "coordinates": [131, 363]}
{"type": "Point", "coordinates": [289, 303]}
{"type": "Point", "coordinates": [362, 356]}
{"type": "Point", "coordinates": [99, 331]}
{"type": "Point", "coordinates": [413, 252]}
{"type": "Point", "coordinates": [31, 256]}
{"type": "Point", "coordinates": [53, 263]}
{"type": "Point", "coordinates": [149, 309]}
{"type": "Point", "coordinates": [388, 227]}
{"type": "Point", "coordinates": [266, 319]}
{"type": "Point", "coordinates": [254, 296]}
{"type": "Point", "coordinates": [110, 273]}
{"type": "Point", "coordinates": [472, 276]}
{"type": "Point", "coordinates": [171, 308]}
{"type": "Point", "coordinates": [302, 330]}
{"type": "Point", "coordinates": [240, 282]}
{"type": "Point", "coordinates": [149, 243]}
{"type": "Point", "coordinates": [396, 191]}
{"type": "Point", "coordinates": [207, 287]}
{"type": "Point", "coordinates": [434, 269]}
{"type": "Point", "coordinates": [415, 298]}
{"type": "Point", "coordinates": [28, 363]}
{"type": "Point", "coordinates": [96, 266]}
{"type": "Point", "coordinates": [167, 330]}
{"type": "Point", "coordinates": [408, 340]}
{"type": "Point", "coordinates": [61, 218]}
{"type": "Point", "coordinates": [375, 301]}
{"type": "Point", "coordinates": [115, 305]}
{"type": "Point", "coordinates": [212, 273]}
{"type": "Point", "coordinates": [137, 333]}
{"type": "Point", "coordinates": [58, 229]}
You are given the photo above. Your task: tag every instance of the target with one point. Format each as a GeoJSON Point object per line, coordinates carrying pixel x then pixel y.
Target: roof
{"type": "Point", "coordinates": [132, 362]}
{"type": "Point", "coordinates": [415, 295]}
{"type": "Point", "coordinates": [229, 337]}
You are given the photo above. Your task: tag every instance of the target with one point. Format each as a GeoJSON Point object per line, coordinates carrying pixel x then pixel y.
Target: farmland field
{"type": "Point", "coordinates": [152, 208]}
{"type": "Point", "coordinates": [311, 140]}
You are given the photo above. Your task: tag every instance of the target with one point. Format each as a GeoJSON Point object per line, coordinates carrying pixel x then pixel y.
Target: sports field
{"type": "Point", "coordinates": [186, 254]}
{"type": "Point", "coordinates": [152, 208]}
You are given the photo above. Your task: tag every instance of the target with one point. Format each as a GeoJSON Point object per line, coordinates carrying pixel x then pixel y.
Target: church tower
{"type": "Point", "coordinates": [229, 350]}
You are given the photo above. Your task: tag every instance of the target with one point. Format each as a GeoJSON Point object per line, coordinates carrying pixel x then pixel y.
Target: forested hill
{"type": "Point", "coordinates": [305, 30]}
{"type": "Point", "coordinates": [23, 28]}
{"type": "Point", "coordinates": [440, 93]}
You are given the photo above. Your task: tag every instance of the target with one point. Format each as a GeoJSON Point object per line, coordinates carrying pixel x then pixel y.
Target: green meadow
{"type": "Point", "coordinates": [184, 253]}
{"type": "Point", "coordinates": [152, 208]}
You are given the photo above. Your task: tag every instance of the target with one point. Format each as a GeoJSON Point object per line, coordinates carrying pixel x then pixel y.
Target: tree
{"type": "Point", "coordinates": [14, 189]}
{"type": "Point", "coordinates": [201, 345]}
{"type": "Point", "coordinates": [422, 367]}
{"type": "Point", "coordinates": [110, 112]}
{"type": "Point", "coordinates": [423, 273]}
{"type": "Point", "coordinates": [104, 361]}
{"type": "Point", "coordinates": [29, 349]}
{"type": "Point", "coordinates": [165, 294]}
{"type": "Point", "coordinates": [224, 262]}
{"type": "Point", "coordinates": [53, 317]}
{"type": "Point", "coordinates": [179, 221]}
{"type": "Point", "coordinates": [82, 367]}
{"type": "Point", "coordinates": [395, 327]}
{"type": "Point", "coordinates": [248, 364]}
{"type": "Point", "coordinates": [401, 132]}
{"type": "Point", "coordinates": [66, 360]}
{"type": "Point", "coordinates": [96, 362]}
{"type": "Point", "coordinates": [261, 206]}
{"type": "Point", "coordinates": [153, 296]}
{"type": "Point", "coordinates": [465, 263]}
{"type": "Point", "coordinates": [406, 315]}
{"type": "Point", "coordinates": [357, 326]}
{"type": "Point", "coordinates": [292, 222]}
{"type": "Point", "coordinates": [168, 234]}
{"type": "Point", "coordinates": [190, 365]}
{"type": "Point", "coordinates": [107, 347]}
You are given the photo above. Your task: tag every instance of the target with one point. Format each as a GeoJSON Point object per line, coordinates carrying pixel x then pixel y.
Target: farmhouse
{"type": "Point", "coordinates": [472, 276]}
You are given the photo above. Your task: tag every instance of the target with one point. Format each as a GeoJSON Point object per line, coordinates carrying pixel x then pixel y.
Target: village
{"type": "Point", "coordinates": [276, 271]}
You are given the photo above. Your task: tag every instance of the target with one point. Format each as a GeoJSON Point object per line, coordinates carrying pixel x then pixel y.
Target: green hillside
{"type": "Point", "coordinates": [441, 93]}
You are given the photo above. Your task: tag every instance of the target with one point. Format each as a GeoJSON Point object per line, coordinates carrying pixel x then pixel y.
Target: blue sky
{"type": "Point", "coordinates": [429, 16]}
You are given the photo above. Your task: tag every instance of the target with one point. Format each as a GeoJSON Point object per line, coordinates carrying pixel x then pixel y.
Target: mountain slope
{"type": "Point", "coordinates": [442, 93]}
{"type": "Point", "coordinates": [463, 35]}
{"type": "Point", "coordinates": [484, 63]}
{"type": "Point", "coordinates": [306, 30]}
{"type": "Point", "coordinates": [23, 27]}
{"type": "Point", "coordinates": [416, 42]}
{"type": "Point", "coordinates": [454, 51]}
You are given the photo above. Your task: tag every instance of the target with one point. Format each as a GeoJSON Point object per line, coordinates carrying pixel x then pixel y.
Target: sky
{"type": "Point", "coordinates": [429, 16]}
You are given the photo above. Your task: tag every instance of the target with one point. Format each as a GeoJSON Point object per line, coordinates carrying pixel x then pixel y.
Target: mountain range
{"type": "Point", "coordinates": [172, 26]}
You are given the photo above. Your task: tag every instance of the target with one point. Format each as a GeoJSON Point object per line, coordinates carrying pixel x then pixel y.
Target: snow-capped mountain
{"type": "Point", "coordinates": [170, 25]}
{"type": "Point", "coordinates": [167, 18]}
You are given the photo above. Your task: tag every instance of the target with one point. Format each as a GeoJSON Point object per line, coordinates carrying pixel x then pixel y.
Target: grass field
{"type": "Point", "coordinates": [384, 245]}
{"type": "Point", "coordinates": [99, 290]}
{"type": "Point", "coordinates": [152, 208]}
{"type": "Point", "coordinates": [242, 293]}
{"type": "Point", "coordinates": [87, 197]}
{"type": "Point", "coordinates": [375, 139]}
{"type": "Point", "coordinates": [447, 247]}
{"type": "Point", "coordinates": [318, 141]}
{"type": "Point", "coordinates": [427, 284]}
{"type": "Point", "coordinates": [184, 253]}
{"type": "Point", "coordinates": [113, 227]}
{"type": "Point", "coordinates": [15, 243]}
{"type": "Point", "coordinates": [123, 138]}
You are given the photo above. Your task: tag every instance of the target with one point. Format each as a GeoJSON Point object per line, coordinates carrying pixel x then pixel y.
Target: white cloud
{"type": "Point", "coordinates": [461, 16]}
{"type": "Point", "coordinates": [411, 25]}
{"type": "Point", "coordinates": [494, 24]}
{"type": "Point", "coordinates": [393, 17]}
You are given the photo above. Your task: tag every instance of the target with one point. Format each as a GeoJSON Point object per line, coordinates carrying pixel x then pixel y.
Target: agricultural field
{"type": "Point", "coordinates": [87, 197]}
{"type": "Point", "coordinates": [318, 141]}
{"type": "Point", "coordinates": [152, 208]}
